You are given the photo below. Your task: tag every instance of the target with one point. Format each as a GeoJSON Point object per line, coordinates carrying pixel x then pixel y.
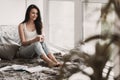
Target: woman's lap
{"type": "Point", "coordinates": [37, 48]}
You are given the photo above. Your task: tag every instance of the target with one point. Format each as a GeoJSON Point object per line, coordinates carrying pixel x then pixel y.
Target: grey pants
{"type": "Point", "coordinates": [37, 48]}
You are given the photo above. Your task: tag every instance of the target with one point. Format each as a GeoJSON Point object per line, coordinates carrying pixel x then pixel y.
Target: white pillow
{"type": "Point", "coordinates": [9, 34]}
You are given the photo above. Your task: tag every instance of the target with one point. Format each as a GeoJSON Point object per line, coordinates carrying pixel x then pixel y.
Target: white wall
{"type": "Point", "coordinates": [12, 12]}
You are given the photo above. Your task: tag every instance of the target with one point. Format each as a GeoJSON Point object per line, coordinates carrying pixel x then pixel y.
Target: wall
{"type": "Point", "coordinates": [12, 12]}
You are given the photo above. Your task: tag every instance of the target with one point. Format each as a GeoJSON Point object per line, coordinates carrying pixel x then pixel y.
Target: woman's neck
{"type": "Point", "coordinates": [30, 22]}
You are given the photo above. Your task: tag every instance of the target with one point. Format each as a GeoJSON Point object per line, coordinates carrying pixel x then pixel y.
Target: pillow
{"type": "Point", "coordinates": [9, 34]}
{"type": "Point", "coordinates": [8, 51]}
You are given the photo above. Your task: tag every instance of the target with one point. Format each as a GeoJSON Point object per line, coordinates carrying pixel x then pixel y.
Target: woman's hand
{"type": "Point", "coordinates": [42, 38]}
{"type": "Point", "coordinates": [39, 38]}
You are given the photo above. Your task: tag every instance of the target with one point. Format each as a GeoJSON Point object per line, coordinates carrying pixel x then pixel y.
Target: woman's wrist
{"type": "Point", "coordinates": [30, 42]}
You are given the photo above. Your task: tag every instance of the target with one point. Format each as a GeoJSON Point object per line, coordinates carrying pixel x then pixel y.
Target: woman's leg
{"type": "Point", "coordinates": [50, 55]}
{"type": "Point", "coordinates": [29, 51]}
{"type": "Point", "coordinates": [26, 51]}
{"type": "Point", "coordinates": [35, 48]}
{"type": "Point", "coordinates": [48, 60]}
{"type": "Point", "coordinates": [40, 51]}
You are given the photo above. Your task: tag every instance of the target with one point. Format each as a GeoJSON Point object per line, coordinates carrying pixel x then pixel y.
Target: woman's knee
{"type": "Point", "coordinates": [38, 48]}
{"type": "Point", "coordinates": [36, 44]}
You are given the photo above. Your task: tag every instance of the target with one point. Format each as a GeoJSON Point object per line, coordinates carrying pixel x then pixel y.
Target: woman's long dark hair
{"type": "Point", "coordinates": [38, 22]}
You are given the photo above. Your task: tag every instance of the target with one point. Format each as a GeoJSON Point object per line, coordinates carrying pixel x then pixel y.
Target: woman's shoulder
{"type": "Point", "coordinates": [21, 24]}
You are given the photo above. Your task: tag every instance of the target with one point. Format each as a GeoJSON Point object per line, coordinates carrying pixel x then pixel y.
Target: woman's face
{"type": "Point", "coordinates": [33, 14]}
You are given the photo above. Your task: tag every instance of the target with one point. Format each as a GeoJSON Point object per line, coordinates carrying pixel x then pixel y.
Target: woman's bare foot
{"type": "Point", "coordinates": [52, 64]}
{"type": "Point", "coordinates": [59, 64]}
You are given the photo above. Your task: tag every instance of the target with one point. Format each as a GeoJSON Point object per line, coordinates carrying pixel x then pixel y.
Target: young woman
{"type": "Point", "coordinates": [32, 38]}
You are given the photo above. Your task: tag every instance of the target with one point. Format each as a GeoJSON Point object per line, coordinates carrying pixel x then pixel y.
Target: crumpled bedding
{"type": "Point", "coordinates": [45, 74]}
